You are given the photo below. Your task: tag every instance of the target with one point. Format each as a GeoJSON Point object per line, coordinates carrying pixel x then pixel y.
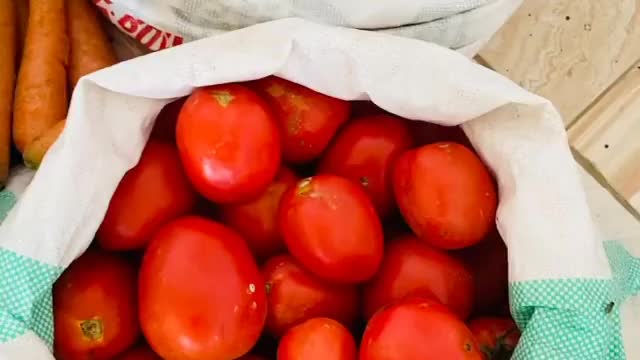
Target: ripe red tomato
{"type": "Point", "coordinates": [496, 337]}
{"type": "Point", "coordinates": [487, 261]}
{"type": "Point", "coordinates": [331, 227]}
{"type": "Point", "coordinates": [165, 127]}
{"type": "Point", "coordinates": [308, 120]}
{"type": "Point", "coordinates": [201, 293]}
{"type": "Point", "coordinates": [94, 307]}
{"type": "Point", "coordinates": [256, 220]}
{"type": "Point", "coordinates": [365, 151]}
{"type": "Point", "coordinates": [410, 266]}
{"type": "Point", "coordinates": [417, 328]}
{"type": "Point", "coordinates": [150, 194]}
{"type": "Point", "coordinates": [140, 352]}
{"type": "Point", "coordinates": [445, 194]}
{"type": "Point", "coordinates": [294, 295]}
{"type": "Point", "coordinates": [317, 339]}
{"type": "Point", "coordinates": [229, 143]}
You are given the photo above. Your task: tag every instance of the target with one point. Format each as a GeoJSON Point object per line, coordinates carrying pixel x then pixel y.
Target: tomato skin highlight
{"type": "Point", "coordinates": [307, 119]}
{"type": "Point", "coordinates": [417, 328]}
{"type": "Point", "coordinates": [140, 352]}
{"type": "Point", "coordinates": [364, 151]}
{"type": "Point", "coordinates": [446, 195]}
{"type": "Point", "coordinates": [201, 295]}
{"type": "Point", "coordinates": [331, 227]}
{"type": "Point", "coordinates": [150, 194]}
{"type": "Point", "coordinates": [497, 337]}
{"type": "Point", "coordinates": [256, 220]}
{"type": "Point", "coordinates": [295, 295]}
{"type": "Point", "coordinates": [229, 143]}
{"type": "Point", "coordinates": [95, 310]}
{"type": "Point", "coordinates": [410, 266]}
{"type": "Point", "coordinates": [317, 339]}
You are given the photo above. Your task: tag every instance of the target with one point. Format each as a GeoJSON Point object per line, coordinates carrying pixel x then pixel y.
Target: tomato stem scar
{"type": "Point", "coordinates": [304, 187]}
{"type": "Point", "coordinates": [223, 97]}
{"type": "Point", "coordinates": [276, 90]}
{"type": "Point", "coordinates": [92, 329]}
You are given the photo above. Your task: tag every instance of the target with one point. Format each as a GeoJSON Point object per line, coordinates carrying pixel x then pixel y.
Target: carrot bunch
{"type": "Point", "coordinates": [53, 43]}
{"type": "Point", "coordinates": [8, 38]}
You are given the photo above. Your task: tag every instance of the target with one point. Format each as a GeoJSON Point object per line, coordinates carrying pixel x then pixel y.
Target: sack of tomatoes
{"type": "Point", "coordinates": [295, 191]}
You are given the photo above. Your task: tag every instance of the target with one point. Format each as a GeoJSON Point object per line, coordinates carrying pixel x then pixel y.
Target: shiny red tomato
{"type": "Point", "coordinates": [317, 339]}
{"type": "Point", "coordinates": [229, 143]}
{"type": "Point", "coordinates": [417, 328]}
{"type": "Point", "coordinates": [364, 151]}
{"type": "Point", "coordinates": [308, 120]}
{"type": "Point", "coordinates": [256, 220]}
{"type": "Point", "coordinates": [165, 125]}
{"type": "Point", "coordinates": [201, 293]}
{"type": "Point", "coordinates": [140, 352]}
{"type": "Point", "coordinates": [150, 194]}
{"type": "Point", "coordinates": [294, 295]}
{"type": "Point", "coordinates": [496, 337]}
{"type": "Point", "coordinates": [331, 227]}
{"type": "Point", "coordinates": [445, 194]}
{"type": "Point", "coordinates": [409, 266]}
{"type": "Point", "coordinates": [94, 307]}
{"type": "Point", "coordinates": [487, 261]}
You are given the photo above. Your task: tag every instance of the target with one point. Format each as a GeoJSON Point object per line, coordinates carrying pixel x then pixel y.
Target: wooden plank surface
{"type": "Point", "coordinates": [608, 136]}
{"type": "Point", "coordinates": [569, 51]}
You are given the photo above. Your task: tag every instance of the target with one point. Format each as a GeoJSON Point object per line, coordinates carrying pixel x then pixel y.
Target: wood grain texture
{"type": "Point", "coordinates": [569, 51]}
{"type": "Point", "coordinates": [608, 136]}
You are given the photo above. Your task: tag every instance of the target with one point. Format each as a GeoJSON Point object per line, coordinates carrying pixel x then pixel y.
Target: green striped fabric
{"type": "Point", "coordinates": [575, 318]}
{"type": "Point", "coordinates": [566, 319]}
{"type": "Point", "coordinates": [7, 200]}
{"type": "Point", "coordinates": [25, 296]}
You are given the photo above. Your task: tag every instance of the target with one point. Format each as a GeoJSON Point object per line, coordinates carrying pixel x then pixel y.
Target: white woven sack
{"type": "Point", "coordinates": [464, 25]}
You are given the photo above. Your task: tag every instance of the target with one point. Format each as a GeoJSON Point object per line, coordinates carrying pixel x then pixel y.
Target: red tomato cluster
{"type": "Point", "coordinates": [388, 251]}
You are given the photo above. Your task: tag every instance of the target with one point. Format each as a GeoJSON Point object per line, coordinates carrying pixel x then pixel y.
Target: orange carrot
{"type": "Point", "coordinates": [41, 97]}
{"type": "Point", "coordinates": [90, 47]}
{"type": "Point", "coordinates": [7, 80]}
{"type": "Point", "coordinates": [35, 151]}
{"type": "Point", "coordinates": [22, 8]}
